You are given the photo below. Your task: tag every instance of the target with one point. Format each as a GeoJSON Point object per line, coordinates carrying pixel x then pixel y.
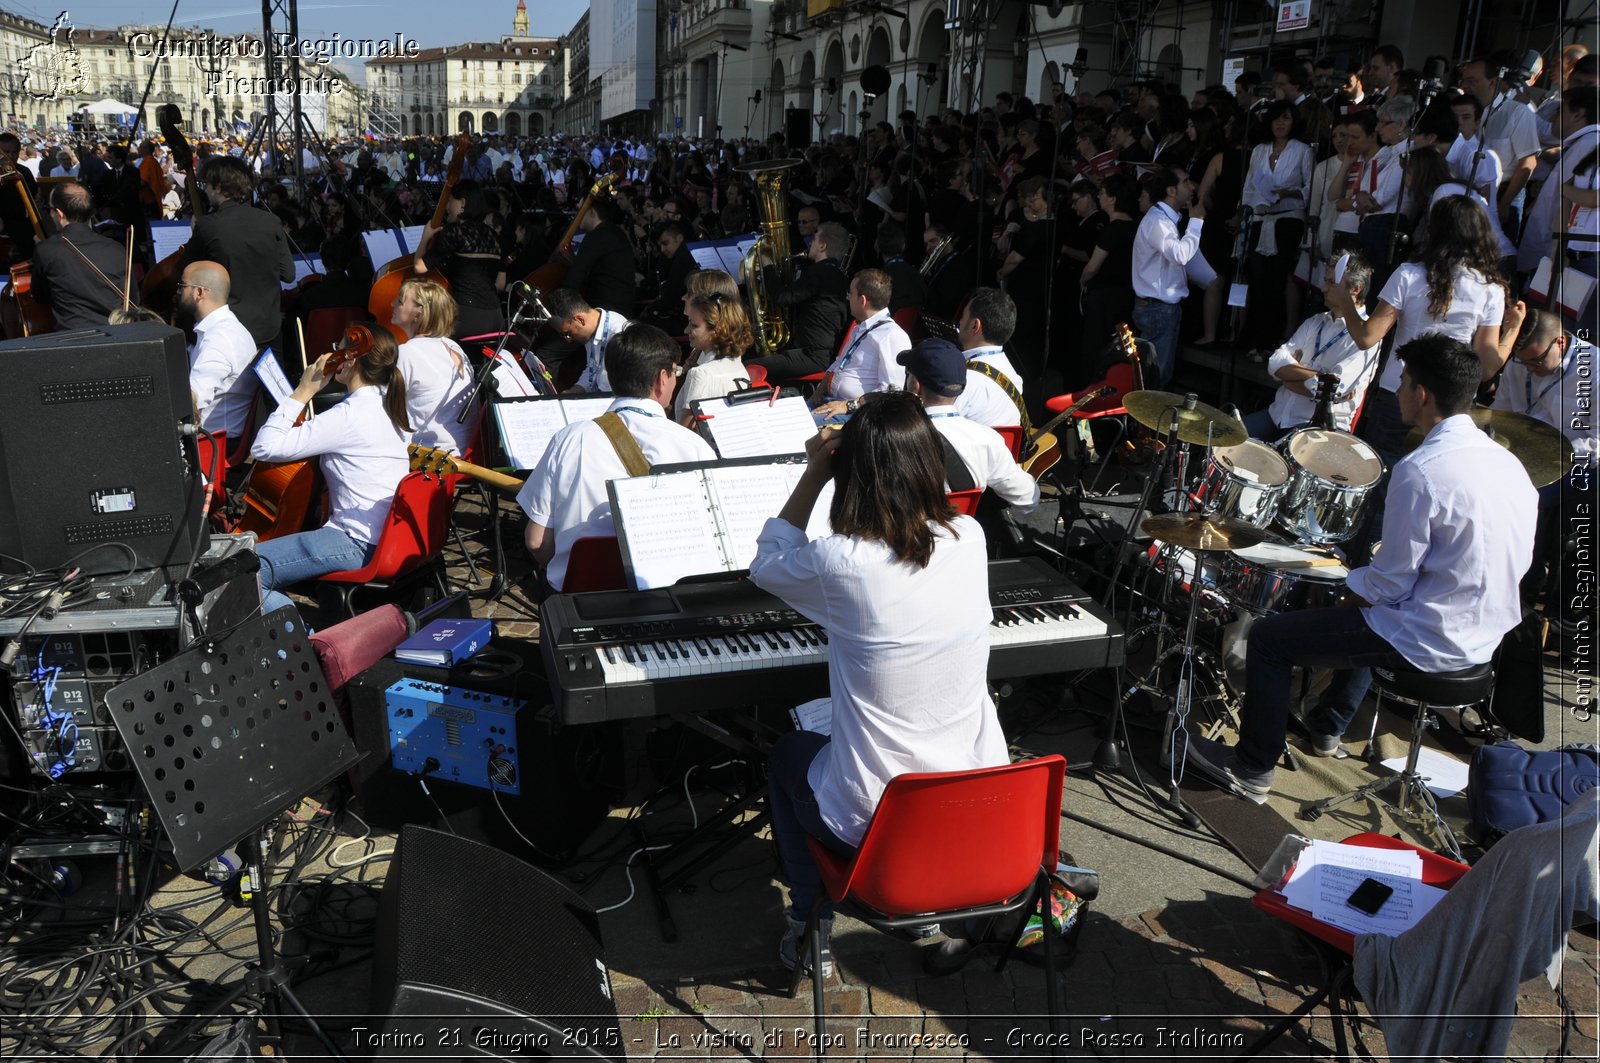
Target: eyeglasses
{"type": "Point", "coordinates": [198, 287]}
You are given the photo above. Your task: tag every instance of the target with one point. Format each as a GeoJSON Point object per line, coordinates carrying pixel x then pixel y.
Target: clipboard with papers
{"type": "Point", "coordinates": [758, 422]}
{"type": "Point", "coordinates": [526, 425]}
{"type": "Point", "coordinates": [702, 518]}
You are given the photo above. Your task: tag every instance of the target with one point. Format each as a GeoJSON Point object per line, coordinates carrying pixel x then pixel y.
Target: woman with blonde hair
{"type": "Point", "coordinates": [438, 378]}
{"type": "Point", "coordinates": [719, 336]}
{"type": "Point", "coordinates": [706, 281]}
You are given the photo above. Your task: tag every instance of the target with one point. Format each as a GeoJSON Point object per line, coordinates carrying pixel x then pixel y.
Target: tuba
{"type": "Point", "coordinates": [772, 332]}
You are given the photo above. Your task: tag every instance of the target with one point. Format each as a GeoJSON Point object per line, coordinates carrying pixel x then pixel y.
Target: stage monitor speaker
{"type": "Point", "coordinates": [797, 127]}
{"type": "Point", "coordinates": [91, 451]}
{"type": "Point", "coordinates": [502, 957]}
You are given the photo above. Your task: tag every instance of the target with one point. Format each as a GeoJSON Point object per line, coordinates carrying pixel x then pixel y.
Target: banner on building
{"type": "Point", "coordinates": [1293, 15]}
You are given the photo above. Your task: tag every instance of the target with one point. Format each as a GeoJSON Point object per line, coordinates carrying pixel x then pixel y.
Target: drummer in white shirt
{"type": "Point", "coordinates": [866, 363]}
{"type": "Point", "coordinates": [1321, 345]}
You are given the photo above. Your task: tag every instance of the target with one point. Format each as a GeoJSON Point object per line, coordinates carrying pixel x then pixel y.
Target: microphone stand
{"type": "Point", "coordinates": [482, 380]}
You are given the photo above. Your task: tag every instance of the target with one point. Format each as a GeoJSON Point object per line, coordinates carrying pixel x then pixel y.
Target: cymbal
{"type": "Point", "coordinates": [1544, 452]}
{"type": "Point", "coordinates": [1204, 531]}
{"type": "Point", "coordinates": [1154, 409]}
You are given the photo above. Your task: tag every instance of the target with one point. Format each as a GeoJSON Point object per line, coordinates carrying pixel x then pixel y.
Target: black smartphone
{"type": "Point", "coordinates": [1370, 896]}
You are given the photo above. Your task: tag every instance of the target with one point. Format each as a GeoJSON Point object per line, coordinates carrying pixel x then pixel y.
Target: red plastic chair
{"type": "Point", "coordinates": [1012, 434]}
{"type": "Point", "coordinates": [594, 564]}
{"type": "Point", "coordinates": [966, 502]}
{"type": "Point", "coordinates": [1120, 378]}
{"type": "Point", "coordinates": [409, 544]}
{"type": "Point", "coordinates": [1338, 946]}
{"type": "Point", "coordinates": [998, 830]}
{"type": "Point", "coordinates": [756, 374]}
{"type": "Point", "coordinates": [907, 317]}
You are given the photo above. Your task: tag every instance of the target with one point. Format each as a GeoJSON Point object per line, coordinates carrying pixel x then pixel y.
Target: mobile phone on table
{"type": "Point", "coordinates": [1370, 896]}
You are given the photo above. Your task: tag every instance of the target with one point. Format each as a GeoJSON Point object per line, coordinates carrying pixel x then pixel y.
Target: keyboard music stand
{"type": "Point", "coordinates": [225, 736]}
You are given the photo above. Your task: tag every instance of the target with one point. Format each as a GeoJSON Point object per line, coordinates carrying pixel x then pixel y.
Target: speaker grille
{"type": "Point", "coordinates": [108, 531]}
{"type": "Point", "coordinates": [127, 387]}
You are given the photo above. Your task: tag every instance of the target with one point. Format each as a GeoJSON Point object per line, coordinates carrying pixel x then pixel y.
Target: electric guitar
{"type": "Point", "coordinates": [436, 462]}
{"type": "Point", "coordinates": [1043, 449]}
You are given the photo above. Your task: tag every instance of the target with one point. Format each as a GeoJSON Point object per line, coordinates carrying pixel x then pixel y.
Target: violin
{"type": "Point", "coordinates": [159, 289]}
{"type": "Point", "coordinates": [386, 282]}
{"type": "Point", "coordinates": [278, 495]}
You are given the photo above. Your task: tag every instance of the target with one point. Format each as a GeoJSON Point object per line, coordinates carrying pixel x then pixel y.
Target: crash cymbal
{"type": "Point", "coordinates": [1204, 531]}
{"type": "Point", "coordinates": [1544, 452]}
{"type": "Point", "coordinates": [1203, 424]}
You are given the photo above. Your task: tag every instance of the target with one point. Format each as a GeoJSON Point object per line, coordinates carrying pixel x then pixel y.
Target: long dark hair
{"type": "Point", "coordinates": [380, 366]}
{"type": "Point", "coordinates": [888, 478]}
{"type": "Point", "coordinates": [1459, 237]}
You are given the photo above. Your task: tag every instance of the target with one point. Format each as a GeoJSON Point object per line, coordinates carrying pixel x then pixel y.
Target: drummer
{"type": "Point", "coordinates": [1457, 537]}
{"type": "Point", "coordinates": [1321, 345]}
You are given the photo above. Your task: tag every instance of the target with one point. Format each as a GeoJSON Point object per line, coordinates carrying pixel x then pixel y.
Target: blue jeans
{"type": "Point", "coordinates": [795, 816]}
{"type": "Point", "coordinates": [1158, 323]}
{"type": "Point", "coordinates": [1261, 426]}
{"type": "Point", "coordinates": [295, 558]}
{"type": "Point", "coordinates": [1311, 638]}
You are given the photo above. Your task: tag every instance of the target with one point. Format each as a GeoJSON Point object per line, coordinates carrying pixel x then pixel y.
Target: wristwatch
{"type": "Point", "coordinates": [851, 405]}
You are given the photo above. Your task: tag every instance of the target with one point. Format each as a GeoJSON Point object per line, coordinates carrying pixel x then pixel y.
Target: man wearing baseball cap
{"type": "Point", "coordinates": [975, 455]}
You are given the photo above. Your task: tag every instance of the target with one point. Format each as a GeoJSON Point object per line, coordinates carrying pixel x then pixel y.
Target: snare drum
{"type": "Point", "coordinates": [1274, 578]}
{"type": "Point", "coordinates": [1246, 481]}
{"type": "Point", "coordinates": [1330, 476]}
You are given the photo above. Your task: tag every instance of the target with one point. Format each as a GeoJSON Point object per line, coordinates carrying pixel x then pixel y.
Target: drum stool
{"type": "Point", "coordinates": [1427, 693]}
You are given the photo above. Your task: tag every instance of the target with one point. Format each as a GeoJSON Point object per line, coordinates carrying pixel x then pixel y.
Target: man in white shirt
{"type": "Point", "coordinates": [987, 322]}
{"type": "Point", "coordinates": [1578, 123]}
{"type": "Point", "coordinates": [223, 351]}
{"type": "Point", "coordinates": [867, 363]}
{"type": "Point", "coordinates": [565, 496]}
{"type": "Point", "coordinates": [576, 321]}
{"type": "Point", "coordinates": [1160, 255]}
{"type": "Point", "coordinates": [1548, 375]}
{"type": "Point", "coordinates": [1457, 537]}
{"type": "Point", "coordinates": [1378, 199]}
{"type": "Point", "coordinates": [1321, 345]}
{"type": "Point", "coordinates": [1510, 130]}
{"type": "Point", "coordinates": [977, 457]}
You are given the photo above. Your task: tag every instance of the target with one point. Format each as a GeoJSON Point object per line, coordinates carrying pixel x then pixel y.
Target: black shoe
{"type": "Point", "coordinates": [949, 956]}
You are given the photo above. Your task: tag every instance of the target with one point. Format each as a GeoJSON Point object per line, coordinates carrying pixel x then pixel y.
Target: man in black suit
{"type": "Point", "coordinates": [14, 216]}
{"type": "Point", "coordinates": [77, 272]}
{"type": "Point", "coordinates": [249, 243]}
{"type": "Point", "coordinates": [672, 240]}
{"type": "Point", "coordinates": [603, 271]}
{"type": "Point", "coordinates": [816, 306]}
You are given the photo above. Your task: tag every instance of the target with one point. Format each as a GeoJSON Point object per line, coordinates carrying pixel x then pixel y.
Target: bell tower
{"type": "Point", "coordinates": [519, 25]}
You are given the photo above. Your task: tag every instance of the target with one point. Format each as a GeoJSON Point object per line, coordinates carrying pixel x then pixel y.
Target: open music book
{"type": "Point", "coordinates": [748, 424]}
{"type": "Point", "coordinates": [386, 245]}
{"type": "Point", "coordinates": [527, 425]}
{"type": "Point", "coordinates": [704, 519]}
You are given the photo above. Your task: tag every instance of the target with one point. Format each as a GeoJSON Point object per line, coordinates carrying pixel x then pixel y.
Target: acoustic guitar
{"type": "Point", "coordinates": [436, 462]}
{"type": "Point", "coordinates": [1043, 449]}
{"type": "Point", "coordinates": [278, 495]}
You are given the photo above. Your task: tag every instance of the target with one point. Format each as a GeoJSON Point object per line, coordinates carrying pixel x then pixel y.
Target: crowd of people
{"type": "Point", "coordinates": [949, 273]}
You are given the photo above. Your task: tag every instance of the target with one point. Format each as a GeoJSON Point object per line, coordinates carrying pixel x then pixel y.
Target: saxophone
{"type": "Point", "coordinates": [772, 331]}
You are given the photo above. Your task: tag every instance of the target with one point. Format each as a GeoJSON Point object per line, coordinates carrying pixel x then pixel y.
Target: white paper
{"type": "Point", "coordinates": [510, 379]}
{"type": "Point", "coordinates": [168, 236]}
{"type": "Point", "coordinates": [731, 258]}
{"type": "Point", "coordinates": [747, 497]}
{"type": "Point", "coordinates": [705, 255]}
{"type": "Point", "coordinates": [272, 377]}
{"type": "Point", "coordinates": [526, 429]}
{"type": "Point", "coordinates": [1445, 775]}
{"type": "Point", "coordinates": [1339, 268]}
{"type": "Point", "coordinates": [1411, 900]}
{"type": "Point", "coordinates": [585, 407]}
{"type": "Point", "coordinates": [752, 429]}
{"type": "Point", "coordinates": [1238, 294]}
{"type": "Point", "coordinates": [814, 716]}
{"type": "Point", "coordinates": [304, 266]}
{"type": "Point", "coordinates": [383, 246]}
{"type": "Point", "coordinates": [665, 528]}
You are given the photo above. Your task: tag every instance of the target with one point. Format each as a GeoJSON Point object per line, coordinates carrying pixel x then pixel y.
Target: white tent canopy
{"type": "Point", "coordinates": [107, 106]}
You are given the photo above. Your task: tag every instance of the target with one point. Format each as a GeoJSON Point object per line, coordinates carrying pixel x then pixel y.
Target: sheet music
{"type": "Point", "coordinates": [510, 379]}
{"type": "Point", "coordinates": [168, 236]}
{"type": "Point", "coordinates": [665, 528]}
{"type": "Point", "coordinates": [819, 526]}
{"type": "Point", "coordinates": [757, 429]}
{"type": "Point", "coordinates": [586, 407]}
{"type": "Point", "coordinates": [705, 254]}
{"type": "Point", "coordinates": [273, 378]}
{"type": "Point", "coordinates": [304, 266]}
{"type": "Point", "coordinates": [731, 258]}
{"type": "Point", "coordinates": [383, 246]}
{"type": "Point", "coordinates": [411, 238]}
{"type": "Point", "coordinates": [745, 243]}
{"type": "Point", "coordinates": [526, 429]}
{"type": "Point", "coordinates": [747, 496]}
{"type": "Point", "coordinates": [815, 716]}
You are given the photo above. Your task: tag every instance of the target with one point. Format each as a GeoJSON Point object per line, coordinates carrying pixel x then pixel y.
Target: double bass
{"type": "Point", "coordinates": [159, 289]}
{"type": "Point", "coordinates": [386, 281]}
{"type": "Point", "coordinates": [278, 496]}
{"type": "Point", "coordinates": [553, 274]}
{"type": "Point", "coordinates": [31, 316]}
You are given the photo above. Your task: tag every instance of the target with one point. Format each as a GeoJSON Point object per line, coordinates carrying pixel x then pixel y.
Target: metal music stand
{"type": "Point", "coordinates": [225, 736]}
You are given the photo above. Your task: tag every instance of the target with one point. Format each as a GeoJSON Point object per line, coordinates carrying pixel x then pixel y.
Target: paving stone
{"type": "Point", "coordinates": [636, 999]}
{"type": "Point", "coordinates": [1229, 975]}
{"type": "Point", "coordinates": [894, 1000]}
{"type": "Point", "coordinates": [723, 997]}
{"type": "Point", "coordinates": [1186, 983]}
{"type": "Point", "coordinates": [847, 1001]}
{"type": "Point", "coordinates": [888, 1037]}
{"type": "Point", "coordinates": [945, 995]}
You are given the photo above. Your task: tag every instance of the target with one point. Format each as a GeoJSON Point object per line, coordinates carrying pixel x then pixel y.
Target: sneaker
{"type": "Point", "coordinates": [794, 933]}
{"type": "Point", "coordinates": [1220, 764]}
{"type": "Point", "coordinates": [1322, 745]}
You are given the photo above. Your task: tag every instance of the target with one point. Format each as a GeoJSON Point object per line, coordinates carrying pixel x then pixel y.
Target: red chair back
{"type": "Point", "coordinates": [595, 564]}
{"type": "Point", "coordinates": [326, 326]}
{"type": "Point", "coordinates": [1012, 434]}
{"type": "Point", "coordinates": [999, 825]}
{"type": "Point", "coordinates": [756, 374]}
{"type": "Point", "coordinates": [966, 502]}
{"type": "Point", "coordinates": [907, 317]}
{"type": "Point", "coordinates": [413, 533]}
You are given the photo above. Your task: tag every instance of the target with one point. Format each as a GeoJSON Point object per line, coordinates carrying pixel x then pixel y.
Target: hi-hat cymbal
{"type": "Point", "coordinates": [1203, 424]}
{"type": "Point", "coordinates": [1542, 449]}
{"type": "Point", "coordinates": [1204, 531]}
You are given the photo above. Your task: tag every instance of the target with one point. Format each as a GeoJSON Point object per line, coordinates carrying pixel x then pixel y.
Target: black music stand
{"type": "Point", "coordinates": [225, 736]}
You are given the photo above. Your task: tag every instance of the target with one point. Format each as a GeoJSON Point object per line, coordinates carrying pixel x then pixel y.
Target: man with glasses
{"type": "Point", "coordinates": [223, 351]}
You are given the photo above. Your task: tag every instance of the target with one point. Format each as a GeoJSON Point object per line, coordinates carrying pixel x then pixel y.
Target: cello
{"type": "Point", "coordinates": [32, 316]}
{"type": "Point", "coordinates": [386, 282]}
{"type": "Point", "coordinates": [553, 274]}
{"type": "Point", "coordinates": [159, 289]}
{"type": "Point", "coordinates": [278, 495]}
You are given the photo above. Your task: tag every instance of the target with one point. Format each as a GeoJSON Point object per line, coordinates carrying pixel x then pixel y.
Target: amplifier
{"type": "Point", "coordinates": [446, 732]}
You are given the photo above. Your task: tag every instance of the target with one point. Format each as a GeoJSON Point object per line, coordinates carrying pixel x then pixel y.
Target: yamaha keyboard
{"type": "Point", "coordinates": [699, 647]}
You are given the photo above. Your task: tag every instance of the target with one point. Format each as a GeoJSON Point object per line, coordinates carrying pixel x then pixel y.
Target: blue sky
{"type": "Point", "coordinates": [419, 20]}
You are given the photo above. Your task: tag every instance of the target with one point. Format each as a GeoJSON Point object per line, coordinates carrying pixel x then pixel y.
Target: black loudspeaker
{"type": "Point", "coordinates": [797, 127]}
{"type": "Point", "coordinates": [91, 450]}
{"type": "Point", "coordinates": [479, 955]}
